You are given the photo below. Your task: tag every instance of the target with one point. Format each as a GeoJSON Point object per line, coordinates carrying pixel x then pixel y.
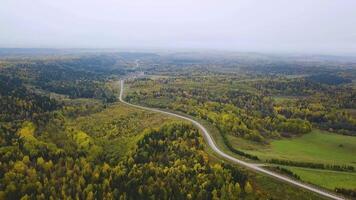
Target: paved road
{"type": "Point", "coordinates": [212, 144]}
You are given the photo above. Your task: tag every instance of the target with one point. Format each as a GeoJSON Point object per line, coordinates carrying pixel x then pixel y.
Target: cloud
{"type": "Point", "coordinates": [254, 25]}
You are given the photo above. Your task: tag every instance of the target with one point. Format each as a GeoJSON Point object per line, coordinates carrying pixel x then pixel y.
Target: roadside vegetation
{"type": "Point", "coordinates": [301, 120]}
{"type": "Point", "coordinates": [64, 135]}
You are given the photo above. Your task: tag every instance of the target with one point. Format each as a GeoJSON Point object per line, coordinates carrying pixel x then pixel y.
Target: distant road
{"type": "Point", "coordinates": [212, 144]}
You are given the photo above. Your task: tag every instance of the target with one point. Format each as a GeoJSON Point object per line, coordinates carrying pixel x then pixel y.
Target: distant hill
{"type": "Point", "coordinates": [329, 79]}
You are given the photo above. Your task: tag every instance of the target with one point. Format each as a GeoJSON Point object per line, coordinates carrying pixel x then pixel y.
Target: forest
{"type": "Point", "coordinates": [65, 135]}
{"type": "Point", "coordinates": [147, 173]}
{"type": "Point", "coordinates": [254, 109]}
{"type": "Point", "coordinates": [49, 152]}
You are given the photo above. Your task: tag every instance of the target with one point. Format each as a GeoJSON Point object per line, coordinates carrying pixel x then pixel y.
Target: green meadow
{"type": "Point", "coordinates": [326, 178]}
{"type": "Point", "coordinates": [317, 146]}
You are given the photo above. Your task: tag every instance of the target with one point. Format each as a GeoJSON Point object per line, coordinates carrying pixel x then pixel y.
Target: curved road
{"type": "Point", "coordinates": [212, 144]}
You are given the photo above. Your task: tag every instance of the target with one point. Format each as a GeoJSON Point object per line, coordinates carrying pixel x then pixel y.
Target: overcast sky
{"type": "Point", "coordinates": [309, 26]}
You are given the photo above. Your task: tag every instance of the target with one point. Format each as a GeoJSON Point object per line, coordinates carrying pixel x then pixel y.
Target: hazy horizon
{"type": "Point", "coordinates": [320, 26]}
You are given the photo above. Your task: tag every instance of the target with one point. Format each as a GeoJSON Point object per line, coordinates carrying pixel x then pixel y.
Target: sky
{"type": "Point", "coordinates": [302, 26]}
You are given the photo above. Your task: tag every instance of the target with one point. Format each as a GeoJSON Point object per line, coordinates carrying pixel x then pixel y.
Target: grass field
{"type": "Point", "coordinates": [267, 187]}
{"type": "Point", "coordinates": [118, 127]}
{"type": "Point", "coordinates": [317, 146]}
{"type": "Point", "coordinates": [326, 178]}
{"type": "Point", "coordinates": [270, 188]}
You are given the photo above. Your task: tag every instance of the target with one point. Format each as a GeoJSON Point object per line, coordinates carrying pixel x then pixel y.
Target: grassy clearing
{"type": "Point", "coordinates": [317, 146]}
{"type": "Point", "coordinates": [270, 188]}
{"type": "Point", "coordinates": [326, 178]}
{"type": "Point", "coordinates": [118, 127]}
{"type": "Point", "coordinates": [119, 120]}
{"type": "Point", "coordinates": [266, 187]}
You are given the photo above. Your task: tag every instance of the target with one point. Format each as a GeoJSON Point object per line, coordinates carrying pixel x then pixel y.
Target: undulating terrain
{"type": "Point", "coordinates": [65, 135]}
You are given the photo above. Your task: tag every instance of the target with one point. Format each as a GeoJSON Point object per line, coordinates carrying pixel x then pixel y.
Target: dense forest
{"type": "Point", "coordinates": [64, 135]}
{"type": "Point", "coordinates": [254, 109]}
{"type": "Point", "coordinates": [45, 154]}
{"type": "Point", "coordinates": [152, 171]}
{"type": "Point", "coordinates": [259, 105]}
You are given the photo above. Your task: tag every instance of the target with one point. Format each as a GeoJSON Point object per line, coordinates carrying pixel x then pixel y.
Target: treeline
{"type": "Point", "coordinates": [312, 165]}
{"type": "Point", "coordinates": [239, 113]}
{"type": "Point", "coordinates": [168, 163]}
{"type": "Point", "coordinates": [329, 79]}
{"type": "Point", "coordinates": [19, 103]}
{"type": "Point", "coordinates": [321, 102]}
{"type": "Point", "coordinates": [250, 109]}
{"type": "Point", "coordinates": [287, 172]}
{"type": "Point", "coordinates": [82, 89]}
{"type": "Point", "coordinates": [76, 77]}
{"type": "Point", "coordinates": [293, 87]}
{"type": "Point", "coordinates": [346, 192]}
{"type": "Point", "coordinates": [238, 152]}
